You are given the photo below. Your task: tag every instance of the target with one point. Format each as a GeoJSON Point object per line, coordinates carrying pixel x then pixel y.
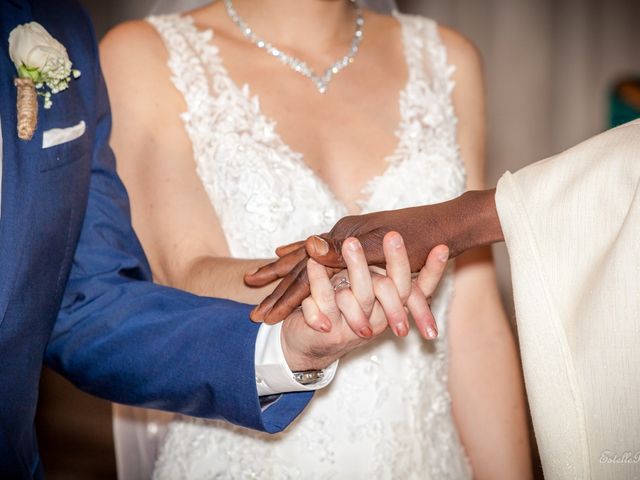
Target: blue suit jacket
{"type": "Point", "coordinates": [75, 287]}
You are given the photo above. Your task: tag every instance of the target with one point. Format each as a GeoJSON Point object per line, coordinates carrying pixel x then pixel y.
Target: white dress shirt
{"type": "Point", "coordinates": [273, 375]}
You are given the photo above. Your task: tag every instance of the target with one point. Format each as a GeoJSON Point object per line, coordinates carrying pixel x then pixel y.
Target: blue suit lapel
{"type": "Point", "coordinates": [18, 158]}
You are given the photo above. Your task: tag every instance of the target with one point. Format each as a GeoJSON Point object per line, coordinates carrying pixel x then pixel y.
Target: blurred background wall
{"type": "Point", "coordinates": [549, 65]}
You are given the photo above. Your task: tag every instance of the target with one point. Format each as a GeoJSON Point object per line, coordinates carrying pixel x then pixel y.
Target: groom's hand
{"type": "Point", "coordinates": [465, 222]}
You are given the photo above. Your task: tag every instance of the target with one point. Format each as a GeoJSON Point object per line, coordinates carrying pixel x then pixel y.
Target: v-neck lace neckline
{"type": "Point", "coordinates": [254, 110]}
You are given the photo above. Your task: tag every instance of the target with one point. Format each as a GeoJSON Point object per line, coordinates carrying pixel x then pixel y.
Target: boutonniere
{"type": "Point", "coordinates": [44, 69]}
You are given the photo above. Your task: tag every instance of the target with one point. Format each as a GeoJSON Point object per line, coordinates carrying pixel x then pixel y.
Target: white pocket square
{"type": "Point", "coordinates": [58, 136]}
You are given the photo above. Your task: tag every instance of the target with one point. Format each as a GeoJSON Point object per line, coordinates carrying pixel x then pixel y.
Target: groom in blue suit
{"type": "Point", "coordinates": [75, 288]}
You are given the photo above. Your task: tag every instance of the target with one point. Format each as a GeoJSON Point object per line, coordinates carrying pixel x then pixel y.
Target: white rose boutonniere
{"type": "Point", "coordinates": [44, 69]}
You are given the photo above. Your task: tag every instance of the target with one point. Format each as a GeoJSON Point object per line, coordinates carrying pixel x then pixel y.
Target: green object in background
{"type": "Point", "coordinates": [624, 103]}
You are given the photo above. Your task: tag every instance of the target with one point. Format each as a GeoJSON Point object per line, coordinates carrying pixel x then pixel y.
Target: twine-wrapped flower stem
{"type": "Point", "coordinates": [44, 69]}
{"type": "Point", "coordinates": [27, 107]}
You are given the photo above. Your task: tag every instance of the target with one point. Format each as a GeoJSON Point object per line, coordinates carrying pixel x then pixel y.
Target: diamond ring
{"type": "Point", "coordinates": [343, 282]}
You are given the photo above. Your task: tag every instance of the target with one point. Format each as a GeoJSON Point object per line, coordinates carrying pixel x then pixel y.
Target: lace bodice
{"type": "Point", "coordinates": [387, 413]}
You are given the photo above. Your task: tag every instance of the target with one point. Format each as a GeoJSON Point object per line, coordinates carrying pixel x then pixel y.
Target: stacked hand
{"type": "Point", "coordinates": [358, 304]}
{"type": "Point", "coordinates": [465, 222]}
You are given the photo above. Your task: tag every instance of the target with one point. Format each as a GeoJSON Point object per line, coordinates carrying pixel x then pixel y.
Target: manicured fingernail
{"type": "Point", "coordinates": [431, 333]}
{"type": "Point", "coordinates": [325, 326]}
{"type": "Point", "coordinates": [443, 257]}
{"type": "Point", "coordinates": [366, 332]}
{"type": "Point", "coordinates": [401, 330]}
{"type": "Point", "coordinates": [320, 245]}
{"type": "Point", "coordinates": [396, 241]}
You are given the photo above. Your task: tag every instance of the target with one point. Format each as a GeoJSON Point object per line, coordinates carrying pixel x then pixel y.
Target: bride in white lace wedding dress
{"type": "Point", "coordinates": [388, 413]}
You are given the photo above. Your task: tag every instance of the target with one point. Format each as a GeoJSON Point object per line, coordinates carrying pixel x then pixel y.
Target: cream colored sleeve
{"type": "Point", "coordinates": [572, 228]}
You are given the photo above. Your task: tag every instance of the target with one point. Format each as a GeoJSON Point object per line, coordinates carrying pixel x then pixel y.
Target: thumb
{"type": "Point", "coordinates": [325, 251]}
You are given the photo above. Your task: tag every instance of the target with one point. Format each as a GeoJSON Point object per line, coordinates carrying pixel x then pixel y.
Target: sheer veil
{"type": "Point", "coordinates": [139, 433]}
{"type": "Point", "coordinates": [161, 7]}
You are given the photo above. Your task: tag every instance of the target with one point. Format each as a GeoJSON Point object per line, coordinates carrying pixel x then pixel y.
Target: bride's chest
{"type": "Point", "coordinates": [353, 158]}
{"type": "Point", "coordinates": [273, 183]}
{"type": "Point", "coordinates": [266, 194]}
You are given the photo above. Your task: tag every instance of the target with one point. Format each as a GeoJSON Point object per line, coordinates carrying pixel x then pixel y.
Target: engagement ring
{"type": "Point", "coordinates": [342, 283]}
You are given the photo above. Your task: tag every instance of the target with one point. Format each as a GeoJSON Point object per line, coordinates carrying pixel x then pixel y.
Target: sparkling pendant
{"type": "Point", "coordinates": [321, 82]}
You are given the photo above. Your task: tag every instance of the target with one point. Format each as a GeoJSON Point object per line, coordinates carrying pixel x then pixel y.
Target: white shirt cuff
{"type": "Point", "coordinates": [273, 375]}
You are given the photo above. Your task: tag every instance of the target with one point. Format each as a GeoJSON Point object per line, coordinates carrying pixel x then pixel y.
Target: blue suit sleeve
{"type": "Point", "coordinates": [123, 338]}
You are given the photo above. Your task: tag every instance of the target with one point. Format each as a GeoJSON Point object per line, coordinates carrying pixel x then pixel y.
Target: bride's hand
{"type": "Point", "coordinates": [358, 294]}
{"type": "Point", "coordinates": [346, 313]}
{"type": "Point", "coordinates": [371, 294]}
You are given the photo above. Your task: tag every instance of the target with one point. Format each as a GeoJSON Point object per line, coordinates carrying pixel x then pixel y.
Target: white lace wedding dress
{"type": "Point", "coordinates": [388, 412]}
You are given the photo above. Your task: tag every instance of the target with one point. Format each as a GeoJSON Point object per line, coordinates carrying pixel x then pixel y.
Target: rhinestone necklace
{"type": "Point", "coordinates": [321, 81]}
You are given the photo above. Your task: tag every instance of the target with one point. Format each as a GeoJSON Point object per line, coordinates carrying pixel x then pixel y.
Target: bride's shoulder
{"type": "Point", "coordinates": [460, 49]}
{"type": "Point", "coordinates": [134, 62]}
{"type": "Point", "coordinates": [457, 44]}
{"type": "Point", "coordinates": [130, 42]}
{"type": "Point", "coordinates": [134, 52]}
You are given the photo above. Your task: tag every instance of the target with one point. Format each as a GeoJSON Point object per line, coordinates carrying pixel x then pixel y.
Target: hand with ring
{"type": "Point", "coordinates": [369, 300]}
{"type": "Point", "coordinates": [358, 304]}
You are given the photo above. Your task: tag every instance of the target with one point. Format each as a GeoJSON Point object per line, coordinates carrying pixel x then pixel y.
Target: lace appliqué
{"type": "Point", "coordinates": [388, 412]}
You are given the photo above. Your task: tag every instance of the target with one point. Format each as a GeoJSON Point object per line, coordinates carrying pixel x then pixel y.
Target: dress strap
{"type": "Point", "coordinates": [197, 73]}
{"type": "Point", "coordinates": [436, 56]}
{"type": "Point", "coordinates": [427, 102]}
{"type": "Point", "coordinates": [181, 39]}
{"type": "Point", "coordinates": [426, 54]}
